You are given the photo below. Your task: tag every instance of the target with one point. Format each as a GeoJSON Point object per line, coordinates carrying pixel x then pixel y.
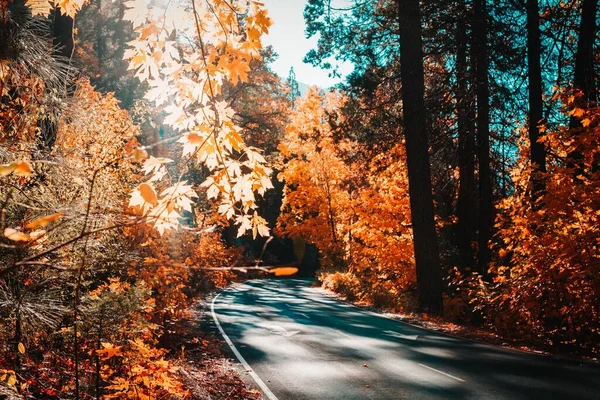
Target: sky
{"type": "Point", "coordinates": [289, 41]}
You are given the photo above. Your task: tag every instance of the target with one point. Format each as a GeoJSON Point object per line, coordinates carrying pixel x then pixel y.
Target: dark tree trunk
{"type": "Point", "coordinates": [584, 58]}
{"type": "Point", "coordinates": [584, 62]}
{"type": "Point", "coordinates": [427, 259]}
{"type": "Point", "coordinates": [63, 47]}
{"type": "Point", "coordinates": [486, 208]}
{"type": "Point", "coordinates": [62, 30]}
{"type": "Point", "coordinates": [584, 72]}
{"type": "Point", "coordinates": [534, 51]}
{"type": "Point", "coordinates": [467, 202]}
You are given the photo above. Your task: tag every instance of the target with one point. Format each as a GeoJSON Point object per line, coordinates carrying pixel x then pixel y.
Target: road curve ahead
{"type": "Point", "coordinates": [303, 344]}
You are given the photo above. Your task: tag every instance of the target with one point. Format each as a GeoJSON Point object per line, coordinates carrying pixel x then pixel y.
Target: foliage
{"type": "Point", "coordinates": [545, 286]}
{"type": "Point", "coordinates": [367, 217]}
{"type": "Point", "coordinates": [188, 77]}
{"type": "Point", "coordinates": [343, 283]}
{"type": "Point", "coordinates": [315, 196]}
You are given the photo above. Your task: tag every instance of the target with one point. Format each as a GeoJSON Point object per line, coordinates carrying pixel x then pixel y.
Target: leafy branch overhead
{"type": "Point", "coordinates": [186, 77]}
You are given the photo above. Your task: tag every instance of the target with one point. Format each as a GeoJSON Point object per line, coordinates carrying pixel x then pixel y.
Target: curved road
{"type": "Point", "coordinates": [301, 344]}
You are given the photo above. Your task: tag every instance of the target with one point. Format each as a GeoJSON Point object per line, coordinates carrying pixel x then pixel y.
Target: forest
{"type": "Point", "coordinates": [150, 156]}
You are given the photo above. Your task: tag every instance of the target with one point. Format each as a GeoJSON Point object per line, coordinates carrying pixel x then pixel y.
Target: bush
{"type": "Point", "coordinates": [342, 283]}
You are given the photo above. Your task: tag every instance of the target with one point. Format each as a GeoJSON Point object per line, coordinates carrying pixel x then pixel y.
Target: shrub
{"type": "Point", "coordinates": [343, 283]}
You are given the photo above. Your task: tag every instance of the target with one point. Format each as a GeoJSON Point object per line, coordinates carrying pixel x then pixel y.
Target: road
{"type": "Point", "coordinates": [299, 343]}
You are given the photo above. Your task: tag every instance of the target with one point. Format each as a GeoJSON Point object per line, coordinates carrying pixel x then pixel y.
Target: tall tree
{"type": "Point", "coordinates": [429, 277]}
{"type": "Point", "coordinates": [486, 208]}
{"type": "Point", "coordinates": [466, 202]}
{"type": "Point", "coordinates": [584, 70]}
{"type": "Point", "coordinates": [584, 58]}
{"type": "Point", "coordinates": [293, 82]}
{"type": "Point", "coordinates": [534, 52]}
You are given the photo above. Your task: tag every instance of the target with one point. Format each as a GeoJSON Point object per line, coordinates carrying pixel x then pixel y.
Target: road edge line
{"type": "Point", "coordinates": [442, 372]}
{"type": "Point", "coordinates": [238, 355]}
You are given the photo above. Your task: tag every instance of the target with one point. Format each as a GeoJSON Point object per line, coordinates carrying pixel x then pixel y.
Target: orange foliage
{"type": "Point", "coordinates": [356, 212]}
{"type": "Point", "coordinates": [546, 286]}
{"type": "Point", "coordinates": [316, 202]}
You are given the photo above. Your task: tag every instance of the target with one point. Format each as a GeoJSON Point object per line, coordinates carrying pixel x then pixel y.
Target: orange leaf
{"type": "Point", "coordinates": [23, 168]}
{"type": "Point", "coordinates": [284, 271]}
{"type": "Point", "coordinates": [148, 194]}
{"type": "Point", "coordinates": [43, 221]}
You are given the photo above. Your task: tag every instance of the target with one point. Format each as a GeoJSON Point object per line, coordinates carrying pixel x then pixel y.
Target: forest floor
{"type": "Point", "coordinates": [209, 371]}
{"type": "Point", "coordinates": [470, 332]}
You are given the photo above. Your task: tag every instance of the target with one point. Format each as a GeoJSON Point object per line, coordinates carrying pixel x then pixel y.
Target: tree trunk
{"type": "Point", "coordinates": [63, 47]}
{"type": "Point", "coordinates": [427, 259]}
{"type": "Point", "coordinates": [537, 150]}
{"type": "Point", "coordinates": [584, 59]}
{"type": "Point", "coordinates": [62, 31]}
{"type": "Point", "coordinates": [467, 203]}
{"type": "Point", "coordinates": [486, 208]}
{"type": "Point", "coordinates": [584, 71]}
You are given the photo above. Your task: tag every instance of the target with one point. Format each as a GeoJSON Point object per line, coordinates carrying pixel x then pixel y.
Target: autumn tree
{"type": "Point", "coordinates": [315, 203]}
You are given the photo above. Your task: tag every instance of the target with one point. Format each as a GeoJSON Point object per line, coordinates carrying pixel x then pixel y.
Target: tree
{"type": "Point", "coordinates": [429, 276]}
{"type": "Point", "coordinates": [538, 152]}
{"type": "Point", "coordinates": [486, 208]}
{"type": "Point", "coordinates": [584, 79]}
{"type": "Point", "coordinates": [466, 198]}
{"type": "Point", "coordinates": [294, 90]}
{"type": "Point", "coordinates": [316, 203]}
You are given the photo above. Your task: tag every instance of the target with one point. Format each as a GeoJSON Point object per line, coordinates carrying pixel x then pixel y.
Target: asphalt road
{"type": "Point", "coordinates": [301, 344]}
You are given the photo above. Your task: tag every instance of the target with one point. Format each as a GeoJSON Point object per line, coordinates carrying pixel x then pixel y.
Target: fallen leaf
{"type": "Point", "coordinates": [16, 236]}
{"type": "Point", "coordinates": [43, 221]}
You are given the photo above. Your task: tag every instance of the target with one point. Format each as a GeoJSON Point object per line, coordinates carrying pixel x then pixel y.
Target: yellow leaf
{"type": "Point", "coordinates": [43, 221]}
{"type": "Point", "coordinates": [39, 7]}
{"type": "Point", "coordinates": [16, 236]}
{"type": "Point", "coordinates": [576, 112]}
{"type": "Point", "coordinates": [148, 194]}
{"type": "Point", "coordinates": [7, 169]}
{"type": "Point", "coordinates": [109, 351]}
{"type": "Point", "coordinates": [12, 380]}
{"type": "Point", "coordinates": [586, 122]}
{"type": "Point", "coordinates": [21, 348]}
{"type": "Point", "coordinates": [139, 155]}
{"type": "Point", "coordinates": [284, 271]}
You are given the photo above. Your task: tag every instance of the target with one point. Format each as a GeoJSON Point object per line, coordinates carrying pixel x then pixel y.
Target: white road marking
{"type": "Point", "coordinates": [442, 372]}
{"type": "Point", "coordinates": [278, 330]}
{"type": "Point", "coordinates": [244, 363]}
{"type": "Point", "coordinates": [401, 336]}
{"type": "Point", "coordinates": [342, 333]}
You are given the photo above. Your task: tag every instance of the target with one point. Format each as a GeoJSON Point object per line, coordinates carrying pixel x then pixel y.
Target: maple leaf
{"type": "Point", "coordinates": [191, 142]}
{"type": "Point", "coordinates": [144, 196]}
{"type": "Point", "coordinates": [154, 164]}
{"type": "Point", "coordinates": [245, 224]}
{"type": "Point", "coordinates": [159, 92]}
{"type": "Point", "coordinates": [237, 70]}
{"type": "Point", "coordinates": [70, 7]}
{"type": "Point", "coordinates": [181, 194]}
{"type": "Point", "coordinates": [136, 11]}
{"type": "Point", "coordinates": [109, 350]}
{"type": "Point", "coordinates": [40, 7]}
